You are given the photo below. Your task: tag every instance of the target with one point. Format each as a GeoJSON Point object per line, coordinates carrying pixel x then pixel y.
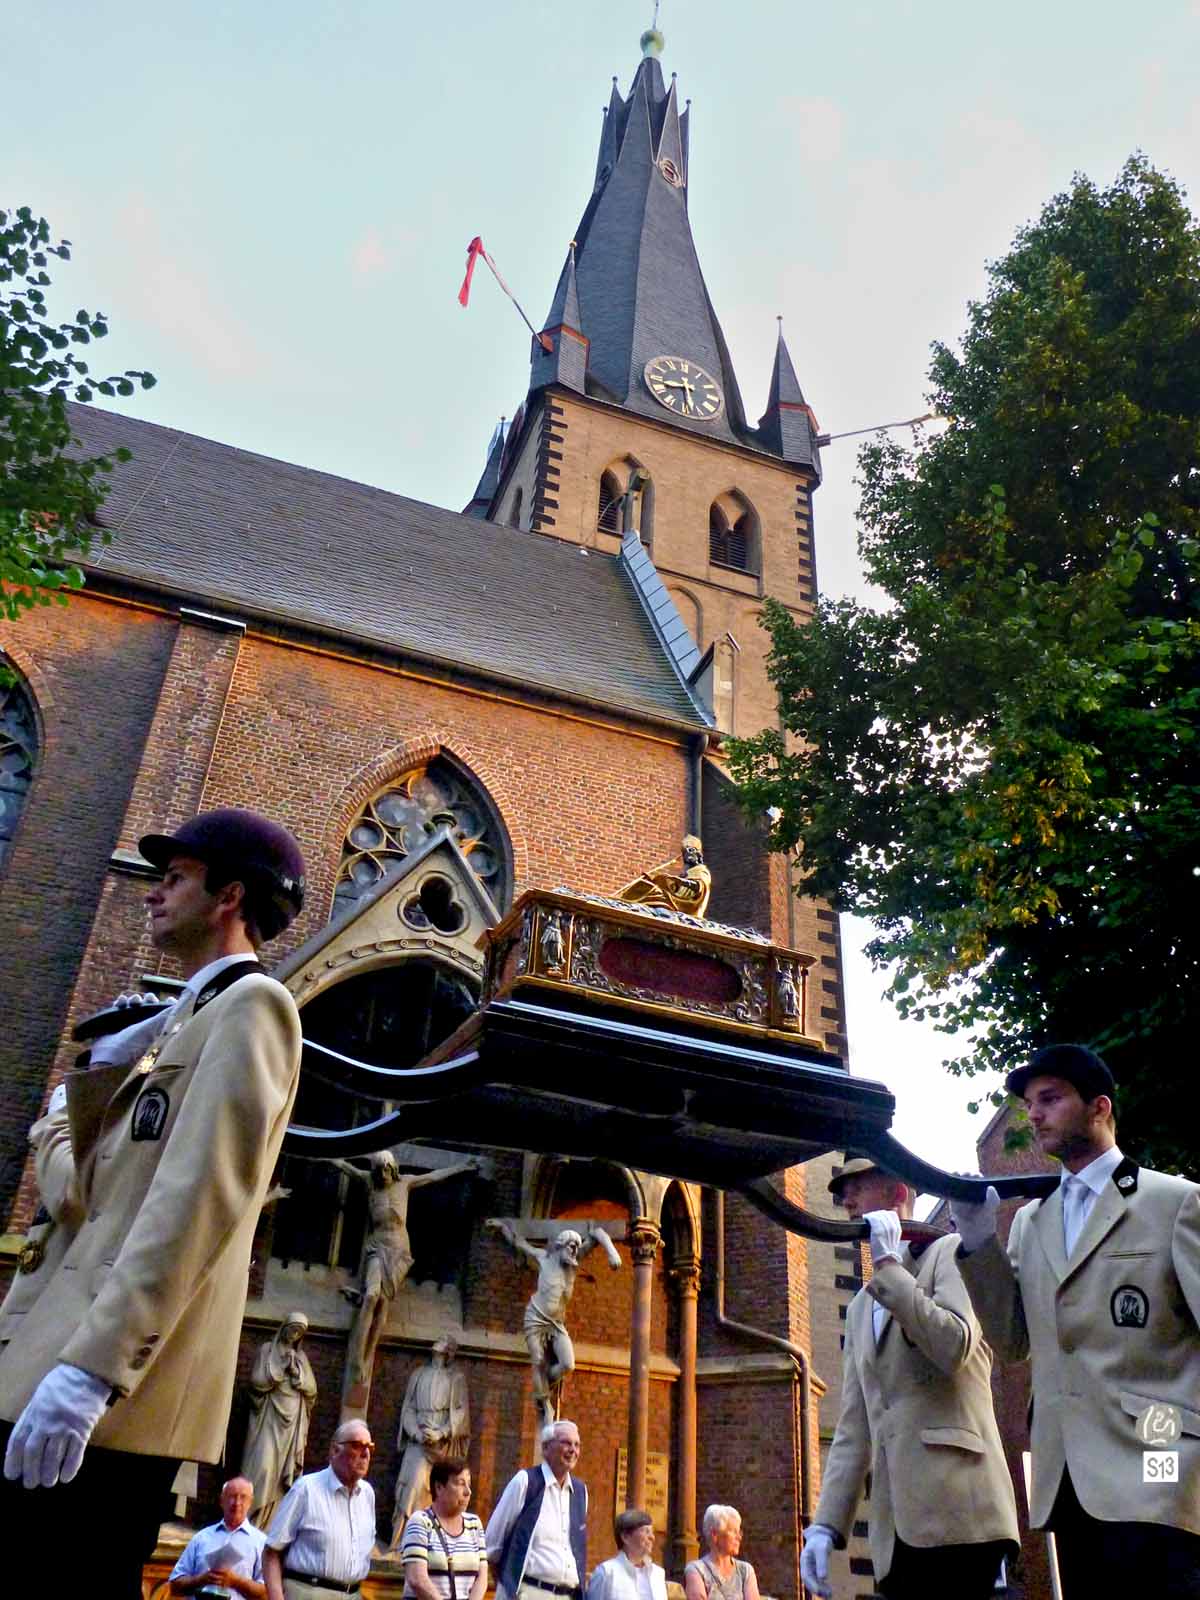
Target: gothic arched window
{"type": "Point", "coordinates": [18, 757]}
{"type": "Point", "coordinates": [608, 513]}
{"type": "Point", "coordinates": [401, 817]}
{"type": "Point", "coordinates": [514, 515]}
{"type": "Point", "coordinates": [733, 533]}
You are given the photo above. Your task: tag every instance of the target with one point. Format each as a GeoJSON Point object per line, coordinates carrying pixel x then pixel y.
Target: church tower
{"type": "Point", "coordinates": [633, 418]}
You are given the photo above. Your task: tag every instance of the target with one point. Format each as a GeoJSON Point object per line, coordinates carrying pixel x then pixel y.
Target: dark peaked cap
{"type": "Point", "coordinates": [1074, 1063]}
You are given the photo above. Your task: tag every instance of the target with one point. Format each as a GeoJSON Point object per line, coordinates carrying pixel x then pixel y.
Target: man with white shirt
{"type": "Point", "coordinates": [916, 1418]}
{"type": "Point", "coordinates": [226, 1557]}
{"type": "Point", "coordinates": [123, 1363]}
{"type": "Point", "coordinates": [320, 1540]}
{"type": "Point", "coordinates": [537, 1535]}
{"type": "Point", "coordinates": [1100, 1290]}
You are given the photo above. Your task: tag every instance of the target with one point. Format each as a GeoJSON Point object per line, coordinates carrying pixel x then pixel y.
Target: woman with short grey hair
{"type": "Point", "coordinates": [719, 1574]}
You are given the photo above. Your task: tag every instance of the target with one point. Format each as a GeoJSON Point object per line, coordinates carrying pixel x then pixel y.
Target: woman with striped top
{"type": "Point", "coordinates": [444, 1553]}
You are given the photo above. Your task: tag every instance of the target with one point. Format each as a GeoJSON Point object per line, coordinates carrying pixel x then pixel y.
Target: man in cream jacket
{"type": "Point", "coordinates": [916, 1415]}
{"type": "Point", "coordinates": [122, 1363]}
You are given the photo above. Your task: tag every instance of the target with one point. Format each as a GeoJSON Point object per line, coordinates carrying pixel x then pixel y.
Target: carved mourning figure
{"type": "Point", "coordinates": [553, 946]}
{"type": "Point", "coordinates": [551, 1352]}
{"type": "Point", "coordinates": [687, 891]}
{"type": "Point", "coordinates": [789, 995]}
{"type": "Point", "coordinates": [435, 1420]}
{"type": "Point", "coordinates": [282, 1393]}
{"type": "Point", "coordinates": [386, 1261]}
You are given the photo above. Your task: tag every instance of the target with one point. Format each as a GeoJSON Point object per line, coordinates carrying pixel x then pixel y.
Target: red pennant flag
{"type": "Point", "coordinates": [474, 251]}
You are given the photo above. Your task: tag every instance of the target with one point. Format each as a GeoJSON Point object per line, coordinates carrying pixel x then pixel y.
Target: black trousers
{"type": "Point", "coordinates": [103, 1524]}
{"type": "Point", "coordinates": [1143, 1558]}
{"type": "Point", "coordinates": [944, 1572]}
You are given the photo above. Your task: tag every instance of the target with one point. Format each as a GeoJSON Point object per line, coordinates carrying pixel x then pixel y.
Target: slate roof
{"type": "Point", "coordinates": [261, 538]}
{"type": "Point", "coordinates": [637, 282]}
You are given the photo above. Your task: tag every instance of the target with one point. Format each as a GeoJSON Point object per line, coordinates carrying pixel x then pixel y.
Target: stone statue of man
{"type": "Point", "coordinates": [386, 1260]}
{"type": "Point", "coordinates": [282, 1392]}
{"type": "Point", "coordinates": [435, 1420]}
{"type": "Point", "coordinates": [551, 1352]}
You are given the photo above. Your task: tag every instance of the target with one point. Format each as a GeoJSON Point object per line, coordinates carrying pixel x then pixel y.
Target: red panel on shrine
{"type": "Point", "coordinates": [681, 974]}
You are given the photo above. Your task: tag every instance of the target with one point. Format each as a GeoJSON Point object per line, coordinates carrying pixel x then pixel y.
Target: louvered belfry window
{"type": "Point", "coordinates": [729, 546]}
{"type": "Point", "coordinates": [608, 516]}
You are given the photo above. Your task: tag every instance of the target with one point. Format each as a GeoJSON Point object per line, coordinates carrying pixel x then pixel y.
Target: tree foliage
{"type": "Point", "coordinates": [49, 497]}
{"type": "Point", "coordinates": [1001, 766]}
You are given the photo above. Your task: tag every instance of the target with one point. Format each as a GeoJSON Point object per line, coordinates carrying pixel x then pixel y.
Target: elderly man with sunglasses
{"type": "Point", "coordinates": [320, 1540]}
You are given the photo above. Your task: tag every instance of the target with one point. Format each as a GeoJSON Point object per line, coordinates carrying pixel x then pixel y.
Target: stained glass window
{"type": "Point", "coordinates": [18, 757]}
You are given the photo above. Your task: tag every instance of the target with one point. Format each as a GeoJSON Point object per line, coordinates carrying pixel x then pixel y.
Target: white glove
{"type": "Point", "coordinates": [814, 1558]}
{"type": "Point", "coordinates": [124, 1048]}
{"type": "Point", "coordinates": [885, 1235]}
{"type": "Point", "coordinates": [46, 1446]}
{"type": "Point", "coordinates": [975, 1223]}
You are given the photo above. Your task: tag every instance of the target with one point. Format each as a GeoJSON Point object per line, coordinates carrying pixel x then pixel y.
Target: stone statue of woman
{"type": "Point", "coordinates": [282, 1392]}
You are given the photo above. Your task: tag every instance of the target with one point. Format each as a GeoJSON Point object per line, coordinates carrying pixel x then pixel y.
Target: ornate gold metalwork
{"type": "Point", "coordinates": [652, 959]}
{"type": "Point", "coordinates": [687, 891]}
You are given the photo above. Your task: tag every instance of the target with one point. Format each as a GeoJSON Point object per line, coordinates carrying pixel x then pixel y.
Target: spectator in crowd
{"type": "Point", "coordinates": [444, 1549]}
{"type": "Point", "coordinates": [537, 1535]}
{"type": "Point", "coordinates": [320, 1540]}
{"type": "Point", "coordinates": [632, 1573]}
{"type": "Point", "coordinates": [719, 1574]}
{"type": "Point", "coordinates": [228, 1554]}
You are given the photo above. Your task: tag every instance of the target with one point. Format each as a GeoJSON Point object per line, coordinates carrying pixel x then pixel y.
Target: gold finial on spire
{"type": "Point", "coordinates": [653, 42]}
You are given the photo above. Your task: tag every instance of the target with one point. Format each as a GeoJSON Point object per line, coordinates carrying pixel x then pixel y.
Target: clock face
{"type": "Point", "coordinates": [684, 388]}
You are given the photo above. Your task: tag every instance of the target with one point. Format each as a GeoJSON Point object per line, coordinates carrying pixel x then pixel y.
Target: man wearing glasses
{"type": "Point", "coordinates": [320, 1540]}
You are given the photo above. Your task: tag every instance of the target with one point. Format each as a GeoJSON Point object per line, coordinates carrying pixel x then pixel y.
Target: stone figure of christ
{"type": "Point", "coordinates": [551, 1352]}
{"type": "Point", "coordinates": [386, 1260]}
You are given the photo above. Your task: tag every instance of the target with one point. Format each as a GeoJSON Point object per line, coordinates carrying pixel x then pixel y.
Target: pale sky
{"type": "Point", "coordinates": [273, 205]}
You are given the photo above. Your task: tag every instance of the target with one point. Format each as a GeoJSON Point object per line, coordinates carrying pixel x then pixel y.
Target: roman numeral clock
{"type": "Point", "coordinates": [683, 387]}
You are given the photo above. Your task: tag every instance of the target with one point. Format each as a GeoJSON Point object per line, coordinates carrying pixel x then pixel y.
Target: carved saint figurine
{"type": "Point", "coordinates": [552, 944]}
{"type": "Point", "coordinates": [435, 1420]}
{"type": "Point", "coordinates": [282, 1392]}
{"type": "Point", "coordinates": [551, 1352]}
{"type": "Point", "coordinates": [685, 891]}
{"type": "Point", "coordinates": [386, 1261]}
{"type": "Point", "coordinates": [789, 995]}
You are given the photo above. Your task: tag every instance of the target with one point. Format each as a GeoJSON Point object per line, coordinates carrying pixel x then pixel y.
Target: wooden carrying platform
{"type": "Point", "coordinates": [675, 1045]}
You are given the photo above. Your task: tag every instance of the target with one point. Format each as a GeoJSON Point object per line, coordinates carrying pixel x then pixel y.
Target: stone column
{"type": "Point", "coordinates": [644, 1240]}
{"type": "Point", "coordinates": [686, 1276]}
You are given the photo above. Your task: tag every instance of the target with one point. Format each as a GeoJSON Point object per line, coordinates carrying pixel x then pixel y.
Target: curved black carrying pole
{"type": "Point", "coordinates": [927, 1179]}
{"type": "Point", "coordinates": [411, 1084]}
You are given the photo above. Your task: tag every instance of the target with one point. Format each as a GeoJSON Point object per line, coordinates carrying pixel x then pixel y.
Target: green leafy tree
{"type": "Point", "coordinates": [1000, 766]}
{"type": "Point", "coordinates": [50, 491]}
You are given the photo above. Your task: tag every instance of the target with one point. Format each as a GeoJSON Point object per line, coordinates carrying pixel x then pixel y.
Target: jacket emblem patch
{"type": "Point", "coordinates": [150, 1114]}
{"type": "Point", "coordinates": [1130, 1308]}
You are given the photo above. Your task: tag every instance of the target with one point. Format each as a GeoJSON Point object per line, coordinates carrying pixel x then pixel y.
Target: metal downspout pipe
{"type": "Point", "coordinates": [776, 1342]}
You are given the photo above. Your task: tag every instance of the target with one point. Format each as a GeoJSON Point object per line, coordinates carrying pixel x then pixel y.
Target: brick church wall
{"type": "Point", "coordinates": [93, 670]}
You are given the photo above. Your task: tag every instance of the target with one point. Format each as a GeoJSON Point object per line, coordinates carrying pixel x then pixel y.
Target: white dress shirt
{"type": "Point", "coordinates": [325, 1530]}
{"type": "Point", "coordinates": [550, 1557]}
{"type": "Point", "coordinates": [245, 1538]}
{"type": "Point", "coordinates": [618, 1579]}
{"type": "Point", "coordinates": [1081, 1190]}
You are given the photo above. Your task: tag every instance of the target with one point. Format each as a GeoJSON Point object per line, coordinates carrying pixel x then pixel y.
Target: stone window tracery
{"type": "Point", "coordinates": [18, 757]}
{"type": "Point", "coordinates": [399, 819]}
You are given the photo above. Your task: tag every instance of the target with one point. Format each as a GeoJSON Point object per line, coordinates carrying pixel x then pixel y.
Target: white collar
{"type": "Point", "coordinates": [338, 1487]}
{"type": "Point", "coordinates": [552, 1481]}
{"type": "Point", "coordinates": [196, 982]}
{"type": "Point", "coordinates": [646, 1566]}
{"type": "Point", "coordinates": [1097, 1173]}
